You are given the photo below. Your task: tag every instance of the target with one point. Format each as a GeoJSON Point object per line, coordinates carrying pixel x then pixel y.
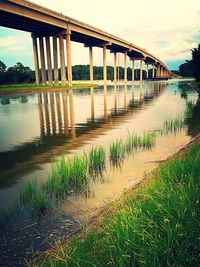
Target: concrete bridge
{"type": "Point", "coordinates": [55, 29]}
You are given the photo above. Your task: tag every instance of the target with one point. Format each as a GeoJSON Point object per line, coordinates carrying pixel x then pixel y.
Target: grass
{"type": "Point", "coordinates": [34, 198]}
{"type": "Point", "coordinates": [31, 86]}
{"type": "Point", "coordinates": [97, 158]}
{"type": "Point", "coordinates": [156, 226]}
{"type": "Point", "coordinates": [189, 109]}
{"type": "Point", "coordinates": [173, 126]}
{"type": "Point", "coordinates": [118, 150]}
{"type": "Point", "coordinates": [68, 176]}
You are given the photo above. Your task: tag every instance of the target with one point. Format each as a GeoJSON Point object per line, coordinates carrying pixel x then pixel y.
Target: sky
{"type": "Point", "coordinates": [168, 29]}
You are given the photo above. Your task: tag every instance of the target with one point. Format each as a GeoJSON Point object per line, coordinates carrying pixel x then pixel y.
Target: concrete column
{"type": "Point", "coordinates": [115, 67]}
{"type": "Point", "coordinates": [62, 60]}
{"type": "Point", "coordinates": [161, 72]}
{"type": "Point", "coordinates": [157, 72]}
{"type": "Point", "coordinates": [49, 64]}
{"type": "Point", "coordinates": [91, 65]}
{"type": "Point", "coordinates": [104, 65]}
{"type": "Point", "coordinates": [125, 67]}
{"type": "Point", "coordinates": [153, 72]}
{"type": "Point", "coordinates": [141, 70]}
{"type": "Point", "coordinates": [133, 71]}
{"type": "Point", "coordinates": [69, 57]}
{"type": "Point", "coordinates": [55, 59]}
{"type": "Point", "coordinates": [147, 71]}
{"type": "Point", "coordinates": [42, 60]}
{"type": "Point", "coordinates": [36, 62]}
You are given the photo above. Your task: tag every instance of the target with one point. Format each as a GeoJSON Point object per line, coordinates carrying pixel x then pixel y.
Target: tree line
{"type": "Point", "coordinates": [191, 68]}
{"type": "Point", "coordinates": [23, 74]}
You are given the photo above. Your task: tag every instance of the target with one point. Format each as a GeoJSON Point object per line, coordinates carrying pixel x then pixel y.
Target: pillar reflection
{"type": "Point", "coordinates": [72, 120]}
{"type": "Point", "coordinates": [92, 103]}
{"type": "Point", "coordinates": [65, 113]}
{"type": "Point", "coordinates": [115, 98]}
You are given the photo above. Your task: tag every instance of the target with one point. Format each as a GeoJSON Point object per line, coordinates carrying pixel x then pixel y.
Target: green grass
{"type": "Point", "coordinates": [97, 159]}
{"type": "Point", "coordinates": [116, 152]}
{"type": "Point", "coordinates": [68, 176]}
{"type": "Point", "coordinates": [34, 198]}
{"type": "Point", "coordinates": [173, 126]}
{"type": "Point", "coordinates": [31, 86]}
{"type": "Point", "coordinates": [156, 226]}
{"type": "Point", "coordinates": [189, 109]}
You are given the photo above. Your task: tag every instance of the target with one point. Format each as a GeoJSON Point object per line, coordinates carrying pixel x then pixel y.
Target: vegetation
{"type": "Point", "coordinates": [19, 74]}
{"type": "Point", "coordinates": [97, 159]}
{"type": "Point", "coordinates": [35, 199]}
{"type": "Point", "coordinates": [119, 149]}
{"type": "Point", "coordinates": [192, 67]}
{"type": "Point", "coordinates": [156, 226]}
{"type": "Point", "coordinates": [173, 126]}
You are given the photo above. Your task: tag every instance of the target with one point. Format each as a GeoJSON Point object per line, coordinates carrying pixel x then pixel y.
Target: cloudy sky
{"type": "Point", "coordinates": [168, 29]}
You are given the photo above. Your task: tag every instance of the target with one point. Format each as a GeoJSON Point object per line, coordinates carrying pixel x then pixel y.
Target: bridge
{"type": "Point", "coordinates": [49, 30]}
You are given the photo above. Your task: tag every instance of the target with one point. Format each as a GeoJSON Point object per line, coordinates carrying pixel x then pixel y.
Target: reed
{"type": "Point", "coordinates": [189, 109]}
{"type": "Point", "coordinates": [173, 126]}
{"type": "Point", "coordinates": [148, 140]}
{"type": "Point", "coordinates": [68, 176]}
{"type": "Point", "coordinates": [156, 226]}
{"type": "Point", "coordinates": [34, 198]}
{"type": "Point", "coordinates": [116, 152]}
{"type": "Point", "coordinates": [97, 157]}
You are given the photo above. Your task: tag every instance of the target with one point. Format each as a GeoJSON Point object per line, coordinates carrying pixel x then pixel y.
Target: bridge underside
{"type": "Point", "coordinates": [44, 23]}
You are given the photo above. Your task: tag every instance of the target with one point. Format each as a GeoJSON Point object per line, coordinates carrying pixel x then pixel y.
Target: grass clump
{"type": "Point", "coordinates": [148, 140]}
{"type": "Point", "coordinates": [68, 176]}
{"type": "Point", "coordinates": [116, 152]}
{"type": "Point", "coordinates": [173, 126]}
{"type": "Point", "coordinates": [34, 198]}
{"type": "Point", "coordinates": [189, 109]}
{"type": "Point", "coordinates": [97, 158]}
{"type": "Point", "coordinates": [156, 226]}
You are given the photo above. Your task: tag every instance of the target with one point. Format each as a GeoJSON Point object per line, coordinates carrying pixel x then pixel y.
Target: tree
{"type": "Point", "coordinates": [19, 74]}
{"type": "Point", "coordinates": [2, 72]}
{"type": "Point", "coordinates": [2, 67]}
{"type": "Point", "coordinates": [186, 69]}
{"type": "Point", "coordinates": [195, 62]}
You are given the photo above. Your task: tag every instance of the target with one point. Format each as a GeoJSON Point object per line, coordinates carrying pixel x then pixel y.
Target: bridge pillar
{"type": "Point", "coordinates": [36, 61]}
{"type": "Point", "coordinates": [157, 72]}
{"type": "Point", "coordinates": [141, 70]}
{"type": "Point", "coordinates": [69, 57]}
{"type": "Point", "coordinates": [91, 65]}
{"type": "Point", "coordinates": [49, 64]}
{"type": "Point", "coordinates": [104, 65]}
{"type": "Point", "coordinates": [161, 72]}
{"type": "Point", "coordinates": [62, 60]}
{"type": "Point", "coordinates": [42, 60]}
{"type": "Point", "coordinates": [55, 60]}
{"type": "Point", "coordinates": [125, 67]}
{"type": "Point", "coordinates": [153, 71]}
{"type": "Point", "coordinates": [133, 71]}
{"type": "Point", "coordinates": [147, 71]}
{"type": "Point", "coordinates": [115, 67]}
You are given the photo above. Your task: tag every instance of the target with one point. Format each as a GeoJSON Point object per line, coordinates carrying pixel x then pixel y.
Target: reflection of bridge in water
{"type": "Point", "coordinates": [59, 133]}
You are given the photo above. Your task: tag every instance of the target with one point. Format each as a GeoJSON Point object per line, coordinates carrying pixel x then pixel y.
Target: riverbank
{"type": "Point", "coordinates": [9, 89]}
{"type": "Point", "coordinates": [156, 224]}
